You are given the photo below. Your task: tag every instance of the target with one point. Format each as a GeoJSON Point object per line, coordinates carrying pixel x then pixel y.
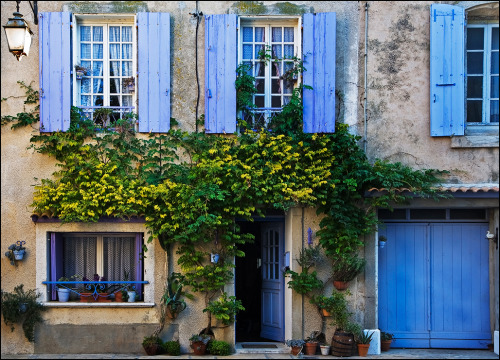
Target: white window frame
{"type": "Point", "coordinates": [267, 22]}
{"type": "Point", "coordinates": [485, 116]}
{"type": "Point", "coordinates": [105, 21]}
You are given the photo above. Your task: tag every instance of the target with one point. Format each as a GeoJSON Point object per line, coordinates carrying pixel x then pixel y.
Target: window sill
{"type": "Point", "coordinates": [475, 141]}
{"type": "Point", "coordinates": [57, 304]}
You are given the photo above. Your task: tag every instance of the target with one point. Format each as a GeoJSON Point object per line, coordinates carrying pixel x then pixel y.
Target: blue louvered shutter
{"type": "Point", "coordinates": [220, 73]}
{"type": "Point", "coordinates": [319, 61]}
{"type": "Point", "coordinates": [153, 53]}
{"type": "Point", "coordinates": [447, 33]}
{"type": "Point", "coordinates": [55, 68]}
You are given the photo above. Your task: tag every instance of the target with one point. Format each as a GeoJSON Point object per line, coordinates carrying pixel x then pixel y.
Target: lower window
{"type": "Point", "coordinates": [116, 257]}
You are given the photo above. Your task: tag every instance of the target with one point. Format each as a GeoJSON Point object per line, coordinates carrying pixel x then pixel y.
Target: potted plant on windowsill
{"type": "Point", "coordinates": [296, 345]}
{"type": "Point", "coordinates": [63, 292]}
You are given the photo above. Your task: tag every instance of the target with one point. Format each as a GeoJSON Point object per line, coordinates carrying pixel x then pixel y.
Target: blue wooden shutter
{"type": "Point", "coordinates": [319, 60]}
{"type": "Point", "coordinates": [220, 73]}
{"type": "Point", "coordinates": [447, 68]}
{"type": "Point", "coordinates": [55, 68]}
{"type": "Point", "coordinates": [153, 52]}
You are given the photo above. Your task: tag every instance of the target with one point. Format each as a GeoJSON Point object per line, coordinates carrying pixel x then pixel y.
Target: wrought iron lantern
{"type": "Point", "coordinates": [19, 35]}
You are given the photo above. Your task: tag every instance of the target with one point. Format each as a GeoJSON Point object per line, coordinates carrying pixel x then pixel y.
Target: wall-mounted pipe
{"type": "Point", "coordinates": [366, 81]}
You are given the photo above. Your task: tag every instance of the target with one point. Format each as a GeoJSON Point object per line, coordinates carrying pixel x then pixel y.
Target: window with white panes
{"type": "Point", "coordinates": [108, 52]}
{"type": "Point", "coordinates": [482, 74]}
{"type": "Point", "coordinates": [269, 50]}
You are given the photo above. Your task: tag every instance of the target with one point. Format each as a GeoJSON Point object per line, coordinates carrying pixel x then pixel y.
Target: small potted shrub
{"type": "Point", "coordinates": [345, 268]}
{"type": "Point", "coordinates": [224, 309]}
{"type": "Point", "coordinates": [385, 340]}
{"type": "Point", "coordinates": [63, 292]}
{"type": "Point", "coordinates": [363, 340]}
{"type": "Point", "coordinates": [172, 348]}
{"type": "Point", "coordinates": [325, 348]}
{"type": "Point", "coordinates": [151, 344]}
{"type": "Point", "coordinates": [296, 345]}
{"type": "Point", "coordinates": [218, 347]}
{"type": "Point", "coordinates": [199, 343]}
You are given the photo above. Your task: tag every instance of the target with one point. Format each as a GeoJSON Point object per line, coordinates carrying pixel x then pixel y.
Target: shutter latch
{"type": "Point", "coordinates": [446, 84]}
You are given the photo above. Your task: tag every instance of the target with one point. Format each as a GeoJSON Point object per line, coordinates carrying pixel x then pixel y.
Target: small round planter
{"type": "Point", "coordinates": [63, 294]}
{"type": "Point", "coordinates": [18, 254]}
{"type": "Point", "coordinates": [385, 345]}
{"type": "Point", "coordinates": [131, 296]}
{"type": "Point", "coordinates": [325, 349]}
{"type": "Point", "coordinates": [296, 350]}
{"type": "Point", "coordinates": [340, 285]}
{"type": "Point", "coordinates": [363, 349]}
{"type": "Point", "coordinates": [118, 296]}
{"type": "Point", "coordinates": [310, 348]}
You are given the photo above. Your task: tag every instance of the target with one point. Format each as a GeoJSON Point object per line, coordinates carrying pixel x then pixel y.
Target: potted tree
{"type": "Point", "coordinates": [385, 340]}
{"type": "Point", "coordinates": [199, 343]}
{"type": "Point", "coordinates": [296, 345]}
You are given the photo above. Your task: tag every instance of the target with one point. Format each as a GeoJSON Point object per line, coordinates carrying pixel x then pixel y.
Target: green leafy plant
{"type": "Point", "coordinates": [340, 312]}
{"type": "Point", "coordinates": [172, 297]}
{"type": "Point", "coordinates": [200, 338]}
{"type": "Point", "coordinates": [347, 266]}
{"type": "Point", "coordinates": [219, 347]}
{"type": "Point", "coordinates": [172, 348]}
{"type": "Point", "coordinates": [225, 308]}
{"type": "Point", "coordinates": [295, 342]}
{"type": "Point", "coordinates": [22, 307]}
{"type": "Point", "coordinates": [363, 337]}
{"type": "Point", "coordinates": [385, 336]}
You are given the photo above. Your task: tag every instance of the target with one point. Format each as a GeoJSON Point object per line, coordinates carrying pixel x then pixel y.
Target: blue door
{"type": "Point", "coordinates": [434, 285]}
{"type": "Point", "coordinates": [272, 282]}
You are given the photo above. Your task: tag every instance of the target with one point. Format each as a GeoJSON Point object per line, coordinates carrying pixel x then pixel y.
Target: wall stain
{"type": "Point", "coordinates": [87, 7]}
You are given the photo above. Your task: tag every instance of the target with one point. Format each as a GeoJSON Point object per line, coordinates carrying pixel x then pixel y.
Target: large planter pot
{"type": "Point", "coordinates": [363, 349]}
{"type": "Point", "coordinates": [342, 344]}
{"type": "Point", "coordinates": [385, 345]}
{"type": "Point", "coordinates": [325, 349]}
{"type": "Point", "coordinates": [63, 294]}
{"type": "Point", "coordinates": [296, 350]}
{"type": "Point", "coordinates": [340, 285]}
{"type": "Point", "coordinates": [199, 347]}
{"type": "Point", "coordinates": [310, 348]}
{"type": "Point", "coordinates": [118, 296]}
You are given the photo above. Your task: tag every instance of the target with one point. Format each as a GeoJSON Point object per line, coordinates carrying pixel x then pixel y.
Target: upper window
{"type": "Point", "coordinates": [482, 74]}
{"type": "Point", "coordinates": [269, 49]}
{"type": "Point", "coordinates": [107, 52]}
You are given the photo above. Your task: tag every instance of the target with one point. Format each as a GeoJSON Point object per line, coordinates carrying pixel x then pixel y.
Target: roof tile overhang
{"type": "Point", "coordinates": [489, 191]}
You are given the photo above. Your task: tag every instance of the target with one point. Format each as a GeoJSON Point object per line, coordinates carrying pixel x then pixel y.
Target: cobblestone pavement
{"type": "Point", "coordinates": [391, 354]}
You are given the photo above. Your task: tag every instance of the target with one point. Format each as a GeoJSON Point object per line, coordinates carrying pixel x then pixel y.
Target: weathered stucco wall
{"type": "Point", "coordinates": [398, 110]}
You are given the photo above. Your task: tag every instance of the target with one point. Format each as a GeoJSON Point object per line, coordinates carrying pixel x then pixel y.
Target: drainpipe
{"type": "Point", "coordinates": [302, 244]}
{"type": "Point", "coordinates": [366, 72]}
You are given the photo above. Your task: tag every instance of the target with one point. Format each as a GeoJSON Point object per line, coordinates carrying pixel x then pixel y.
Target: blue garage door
{"type": "Point", "coordinates": [433, 285]}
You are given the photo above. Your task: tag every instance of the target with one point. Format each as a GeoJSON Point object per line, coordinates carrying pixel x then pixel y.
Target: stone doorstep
{"type": "Point", "coordinates": [261, 347]}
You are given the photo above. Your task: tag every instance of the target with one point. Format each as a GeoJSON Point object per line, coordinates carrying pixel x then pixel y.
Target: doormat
{"type": "Point", "coordinates": [259, 346]}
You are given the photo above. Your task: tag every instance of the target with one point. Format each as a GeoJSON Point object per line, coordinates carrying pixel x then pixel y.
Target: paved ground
{"type": "Point", "coordinates": [391, 354]}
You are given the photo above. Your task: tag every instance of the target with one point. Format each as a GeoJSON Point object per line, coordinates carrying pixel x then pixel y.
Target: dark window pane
{"type": "Point", "coordinates": [494, 87]}
{"type": "Point", "coordinates": [427, 214]}
{"type": "Point", "coordinates": [260, 85]}
{"type": "Point", "coordinates": [494, 63]}
{"type": "Point", "coordinates": [474, 110]}
{"type": "Point", "coordinates": [475, 38]}
{"type": "Point", "coordinates": [397, 214]}
{"type": "Point", "coordinates": [114, 86]}
{"type": "Point", "coordinates": [260, 69]}
{"type": "Point", "coordinates": [259, 101]}
{"type": "Point", "coordinates": [494, 38]}
{"type": "Point", "coordinates": [467, 214]}
{"type": "Point", "coordinates": [474, 63]}
{"type": "Point", "coordinates": [494, 111]}
{"type": "Point", "coordinates": [276, 69]}
{"type": "Point", "coordinates": [474, 86]}
{"type": "Point", "coordinates": [276, 86]}
{"type": "Point", "coordinates": [276, 101]}
{"type": "Point", "coordinates": [114, 100]}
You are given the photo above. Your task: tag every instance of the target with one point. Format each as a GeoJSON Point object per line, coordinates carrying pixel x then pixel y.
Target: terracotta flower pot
{"type": "Point", "coordinates": [118, 296]}
{"type": "Point", "coordinates": [385, 345]}
{"type": "Point", "coordinates": [340, 285]}
{"type": "Point", "coordinates": [87, 297]}
{"type": "Point", "coordinates": [310, 348]}
{"type": "Point", "coordinates": [151, 349]}
{"type": "Point", "coordinates": [325, 313]}
{"type": "Point", "coordinates": [363, 349]}
{"type": "Point", "coordinates": [103, 297]}
{"type": "Point", "coordinates": [199, 347]}
{"type": "Point", "coordinates": [296, 350]}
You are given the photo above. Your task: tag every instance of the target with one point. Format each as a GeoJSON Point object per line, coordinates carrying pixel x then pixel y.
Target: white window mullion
{"type": "Point", "coordinates": [105, 65]}
{"type": "Point", "coordinates": [267, 97]}
{"type": "Point", "coordinates": [100, 256]}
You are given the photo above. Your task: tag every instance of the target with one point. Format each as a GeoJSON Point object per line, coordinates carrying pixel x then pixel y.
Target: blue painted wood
{"type": "Point", "coordinates": [54, 70]}
{"type": "Point", "coordinates": [272, 318]}
{"type": "Point", "coordinates": [220, 73]}
{"type": "Point", "coordinates": [56, 260]}
{"type": "Point", "coordinates": [153, 56]}
{"type": "Point", "coordinates": [434, 285]}
{"type": "Point", "coordinates": [447, 67]}
{"type": "Point", "coordinates": [319, 42]}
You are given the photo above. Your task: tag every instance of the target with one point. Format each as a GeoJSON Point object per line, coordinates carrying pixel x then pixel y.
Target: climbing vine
{"type": "Point", "coordinates": [191, 187]}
